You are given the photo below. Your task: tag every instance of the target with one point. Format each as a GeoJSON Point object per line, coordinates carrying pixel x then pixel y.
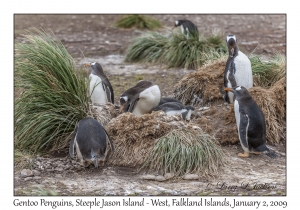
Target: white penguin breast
{"type": "Point", "coordinates": [237, 113]}
{"type": "Point", "coordinates": [79, 155]}
{"type": "Point", "coordinates": [175, 112]}
{"type": "Point", "coordinates": [98, 94]}
{"type": "Point", "coordinates": [243, 74]}
{"type": "Point", "coordinates": [229, 85]}
{"type": "Point", "coordinates": [148, 100]}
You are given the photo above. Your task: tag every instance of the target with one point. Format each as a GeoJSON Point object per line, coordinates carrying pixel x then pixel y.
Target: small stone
{"type": "Point", "coordinates": [59, 169]}
{"type": "Point", "coordinates": [169, 175]}
{"type": "Point", "coordinates": [37, 177]}
{"type": "Point", "coordinates": [190, 176]}
{"type": "Point", "coordinates": [160, 178]}
{"type": "Point", "coordinates": [27, 179]}
{"type": "Point", "coordinates": [26, 173]}
{"type": "Point", "coordinates": [149, 177]}
{"type": "Point", "coordinates": [36, 173]}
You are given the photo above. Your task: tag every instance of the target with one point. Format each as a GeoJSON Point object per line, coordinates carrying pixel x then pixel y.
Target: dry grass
{"type": "Point", "coordinates": [134, 136]}
{"type": "Point", "coordinates": [184, 151]}
{"type": "Point", "coordinates": [202, 86]}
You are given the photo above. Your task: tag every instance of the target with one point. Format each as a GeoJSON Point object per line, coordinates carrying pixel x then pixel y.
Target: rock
{"type": "Point", "coordinates": [37, 177]}
{"type": "Point", "coordinates": [149, 177]}
{"type": "Point", "coordinates": [191, 176]}
{"type": "Point", "coordinates": [36, 173]}
{"type": "Point", "coordinates": [160, 178]}
{"type": "Point", "coordinates": [28, 178]}
{"type": "Point", "coordinates": [59, 169]}
{"type": "Point", "coordinates": [26, 173]}
{"type": "Point", "coordinates": [169, 175]}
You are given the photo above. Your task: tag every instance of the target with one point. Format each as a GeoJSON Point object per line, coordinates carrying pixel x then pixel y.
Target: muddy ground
{"type": "Point", "coordinates": [94, 38]}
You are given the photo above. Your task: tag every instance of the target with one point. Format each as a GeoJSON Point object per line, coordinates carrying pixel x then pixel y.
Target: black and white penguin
{"type": "Point", "coordinates": [238, 71]}
{"type": "Point", "coordinates": [174, 108]}
{"type": "Point", "coordinates": [140, 99]}
{"type": "Point", "coordinates": [187, 27]}
{"type": "Point", "coordinates": [89, 138]}
{"type": "Point", "coordinates": [168, 99]}
{"type": "Point", "coordinates": [250, 122]}
{"type": "Point", "coordinates": [101, 90]}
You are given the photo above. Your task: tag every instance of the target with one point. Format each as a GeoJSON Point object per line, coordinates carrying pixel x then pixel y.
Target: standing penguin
{"type": "Point", "coordinates": [140, 99]}
{"type": "Point", "coordinates": [89, 137]}
{"type": "Point", "coordinates": [250, 122]}
{"type": "Point", "coordinates": [238, 71]}
{"type": "Point", "coordinates": [187, 27]}
{"type": "Point", "coordinates": [101, 90]}
{"type": "Point", "coordinates": [173, 108]}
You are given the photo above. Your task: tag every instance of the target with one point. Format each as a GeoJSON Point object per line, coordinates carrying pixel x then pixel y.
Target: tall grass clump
{"type": "Point", "coordinates": [176, 50]}
{"type": "Point", "coordinates": [182, 151]}
{"type": "Point", "coordinates": [138, 21]}
{"type": "Point", "coordinates": [54, 98]}
{"type": "Point", "coordinates": [267, 73]}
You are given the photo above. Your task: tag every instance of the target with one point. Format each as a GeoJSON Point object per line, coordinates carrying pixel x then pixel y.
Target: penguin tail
{"type": "Point", "coordinates": [264, 149]}
{"type": "Point", "coordinates": [272, 154]}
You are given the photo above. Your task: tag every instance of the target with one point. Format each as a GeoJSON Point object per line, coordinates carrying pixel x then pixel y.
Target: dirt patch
{"type": "Point", "coordinates": [94, 38]}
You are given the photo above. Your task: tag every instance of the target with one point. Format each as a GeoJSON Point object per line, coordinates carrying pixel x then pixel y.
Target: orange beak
{"type": "Point", "coordinates": [121, 109]}
{"type": "Point", "coordinates": [228, 89]}
{"type": "Point", "coordinates": [87, 64]}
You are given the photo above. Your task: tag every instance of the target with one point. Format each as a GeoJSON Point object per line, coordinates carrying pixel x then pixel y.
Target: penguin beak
{"type": "Point", "coordinates": [173, 28]}
{"type": "Point", "coordinates": [87, 64]}
{"type": "Point", "coordinates": [121, 109]}
{"type": "Point", "coordinates": [228, 89]}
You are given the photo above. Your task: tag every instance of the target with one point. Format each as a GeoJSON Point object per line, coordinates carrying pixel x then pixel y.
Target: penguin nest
{"type": "Point", "coordinates": [202, 86]}
{"type": "Point", "coordinates": [272, 102]}
{"type": "Point", "coordinates": [103, 112]}
{"type": "Point", "coordinates": [135, 136]}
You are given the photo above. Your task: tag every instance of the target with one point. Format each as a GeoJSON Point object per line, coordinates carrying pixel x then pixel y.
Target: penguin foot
{"type": "Point", "coordinates": [245, 154]}
{"type": "Point", "coordinates": [256, 153]}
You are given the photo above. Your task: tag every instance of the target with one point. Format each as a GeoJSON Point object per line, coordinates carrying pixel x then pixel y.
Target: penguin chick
{"type": "Point", "coordinates": [168, 99]}
{"type": "Point", "coordinates": [250, 122]}
{"type": "Point", "coordinates": [173, 108]}
{"type": "Point", "coordinates": [89, 137]}
{"type": "Point", "coordinates": [140, 99]}
{"type": "Point", "coordinates": [100, 90]}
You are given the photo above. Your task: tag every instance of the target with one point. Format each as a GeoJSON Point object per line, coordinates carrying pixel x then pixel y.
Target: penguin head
{"type": "Point", "coordinates": [96, 68]}
{"type": "Point", "coordinates": [231, 43]}
{"type": "Point", "coordinates": [125, 103]}
{"type": "Point", "coordinates": [239, 92]}
{"type": "Point", "coordinates": [177, 23]}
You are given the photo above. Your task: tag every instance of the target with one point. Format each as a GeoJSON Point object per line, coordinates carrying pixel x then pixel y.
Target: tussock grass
{"type": "Point", "coordinates": [176, 50]}
{"type": "Point", "coordinates": [138, 21]}
{"type": "Point", "coordinates": [54, 97]}
{"type": "Point", "coordinates": [183, 151]}
{"type": "Point", "coordinates": [267, 73]}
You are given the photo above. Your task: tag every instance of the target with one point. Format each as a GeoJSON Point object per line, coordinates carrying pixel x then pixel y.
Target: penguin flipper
{"type": "Point", "coordinates": [132, 104]}
{"type": "Point", "coordinates": [243, 130]}
{"type": "Point", "coordinates": [72, 143]}
{"type": "Point", "coordinates": [110, 142]}
{"type": "Point", "coordinates": [108, 90]}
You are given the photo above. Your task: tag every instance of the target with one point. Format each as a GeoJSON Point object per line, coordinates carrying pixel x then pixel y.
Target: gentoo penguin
{"type": "Point", "coordinates": [187, 27]}
{"type": "Point", "coordinates": [250, 122]}
{"type": "Point", "coordinates": [238, 71]}
{"type": "Point", "coordinates": [173, 108]}
{"type": "Point", "coordinates": [89, 137]}
{"type": "Point", "coordinates": [168, 99]}
{"type": "Point", "coordinates": [140, 99]}
{"type": "Point", "coordinates": [101, 90]}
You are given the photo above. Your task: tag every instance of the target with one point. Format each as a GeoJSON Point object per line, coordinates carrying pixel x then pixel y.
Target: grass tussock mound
{"type": "Point", "coordinates": [53, 99]}
{"type": "Point", "coordinates": [267, 73]}
{"type": "Point", "coordinates": [135, 137]}
{"type": "Point", "coordinates": [176, 50]}
{"type": "Point", "coordinates": [202, 86]}
{"type": "Point", "coordinates": [184, 151]}
{"type": "Point", "coordinates": [138, 21]}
